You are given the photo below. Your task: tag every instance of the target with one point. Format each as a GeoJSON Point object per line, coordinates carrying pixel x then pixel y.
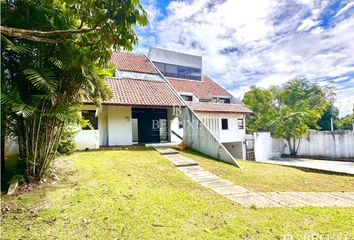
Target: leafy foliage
{"type": "Point", "coordinates": [263, 113]}
{"type": "Point", "coordinates": [67, 144]}
{"type": "Point", "coordinates": [346, 123]}
{"type": "Point", "coordinates": [54, 57]}
{"type": "Point", "coordinates": [288, 111]}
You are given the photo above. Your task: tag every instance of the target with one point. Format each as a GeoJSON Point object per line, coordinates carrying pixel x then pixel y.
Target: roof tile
{"type": "Point", "coordinates": [205, 89]}
{"type": "Point", "coordinates": [132, 62]}
{"type": "Point", "coordinates": [138, 92]}
{"type": "Point", "coordinates": [218, 107]}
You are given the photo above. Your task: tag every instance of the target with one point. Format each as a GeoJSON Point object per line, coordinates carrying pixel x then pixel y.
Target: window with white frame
{"type": "Point", "coordinates": [240, 123]}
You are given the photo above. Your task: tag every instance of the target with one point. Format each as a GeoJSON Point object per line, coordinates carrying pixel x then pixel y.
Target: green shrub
{"type": "Point", "coordinates": [67, 141]}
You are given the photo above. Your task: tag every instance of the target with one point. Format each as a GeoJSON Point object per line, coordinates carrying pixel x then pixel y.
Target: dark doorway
{"type": "Point", "coordinates": [149, 124]}
{"type": "Point", "coordinates": [250, 149]}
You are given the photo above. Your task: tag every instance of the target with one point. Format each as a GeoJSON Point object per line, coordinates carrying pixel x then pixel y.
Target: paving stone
{"type": "Point", "coordinates": [190, 169]}
{"type": "Point", "coordinates": [333, 201]}
{"type": "Point", "coordinates": [180, 161]}
{"type": "Point", "coordinates": [252, 199]}
{"type": "Point", "coordinates": [247, 198]}
{"type": "Point", "coordinates": [165, 150]}
{"type": "Point", "coordinates": [349, 195]}
{"type": "Point", "coordinates": [346, 197]}
{"type": "Point", "coordinates": [216, 183]}
{"type": "Point", "coordinates": [282, 199]}
{"type": "Point", "coordinates": [228, 190]}
{"type": "Point", "coordinates": [306, 199]}
{"type": "Point", "coordinates": [205, 178]}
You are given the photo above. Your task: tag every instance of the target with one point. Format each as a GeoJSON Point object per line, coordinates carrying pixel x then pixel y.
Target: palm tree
{"type": "Point", "coordinates": [45, 96]}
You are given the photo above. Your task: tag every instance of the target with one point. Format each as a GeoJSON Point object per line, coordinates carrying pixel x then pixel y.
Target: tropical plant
{"type": "Point", "coordinates": [288, 111]}
{"type": "Point", "coordinates": [67, 141]}
{"type": "Point", "coordinates": [54, 57]}
{"type": "Point", "coordinates": [261, 103]}
{"type": "Point", "coordinates": [292, 124]}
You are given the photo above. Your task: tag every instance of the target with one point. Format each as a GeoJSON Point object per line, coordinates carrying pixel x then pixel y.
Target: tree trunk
{"type": "Point", "coordinates": [292, 146]}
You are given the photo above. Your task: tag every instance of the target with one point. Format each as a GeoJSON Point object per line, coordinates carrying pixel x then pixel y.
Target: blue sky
{"type": "Point", "coordinates": [260, 42]}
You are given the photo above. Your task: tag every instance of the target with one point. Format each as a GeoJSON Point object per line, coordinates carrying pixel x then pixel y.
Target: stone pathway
{"type": "Point", "coordinates": [248, 198]}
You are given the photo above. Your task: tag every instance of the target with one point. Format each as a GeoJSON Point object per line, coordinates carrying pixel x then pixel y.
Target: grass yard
{"type": "Point", "coordinates": [264, 177]}
{"type": "Point", "coordinates": [138, 194]}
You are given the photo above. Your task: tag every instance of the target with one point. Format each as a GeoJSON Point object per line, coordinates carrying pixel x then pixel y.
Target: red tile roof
{"type": "Point", "coordinates": [132, 62]}
{"type": "Point", "coordinates": [218, 107]}
{"type": "Point", "coordinates": [205, 89]}
{"type": "Point", "coordinates": [138, 92]}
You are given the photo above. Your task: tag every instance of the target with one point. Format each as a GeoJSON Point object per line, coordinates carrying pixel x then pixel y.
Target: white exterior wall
{"type": "Point", "coordinates": [174, 126]}
{"type": "Point", "coordinates": [119, 125]}
{"type": "Point", "coordinates": [197, 136]}
{"type": "Point", "coordinates": [87, 139]}
{"type": "Point", "coordinates": [167, 56]}
{"type": "Point", "coordinates": [103, 126]}
{"type": "Point", "coordinates": [114, 128]}
{"type": "Point", "coordinates": [232, 134]}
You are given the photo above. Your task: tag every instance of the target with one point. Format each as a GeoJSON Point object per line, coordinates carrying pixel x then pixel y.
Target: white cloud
{"type": "Point", "coordinates": [344, 9]}
{"type": "Point", "coordinates": [260, 43]}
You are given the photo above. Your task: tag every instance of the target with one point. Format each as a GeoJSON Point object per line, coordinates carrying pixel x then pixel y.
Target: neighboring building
{"type": "Point", "coordinates": [146, 93]}
{"type": "Point", "coordinates": [223, 114]}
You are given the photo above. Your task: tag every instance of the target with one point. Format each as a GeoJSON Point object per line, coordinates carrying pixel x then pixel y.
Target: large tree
{"type": "Point", "coordinates": [261, 102]}
{"type": "Point", "coordinates": [54, 57]}
{"type": "Point", "coordinates": [290, 110]}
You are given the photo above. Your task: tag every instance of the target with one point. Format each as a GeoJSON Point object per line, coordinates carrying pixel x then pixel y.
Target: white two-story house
{"type": "Point", "coordinates": [146, 92]}
{"type": "Point", "coordinates": [223, 114]}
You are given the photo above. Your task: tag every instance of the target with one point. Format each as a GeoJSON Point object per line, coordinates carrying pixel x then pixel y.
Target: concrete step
{"type": "Point", "coordinates": [166, 150]}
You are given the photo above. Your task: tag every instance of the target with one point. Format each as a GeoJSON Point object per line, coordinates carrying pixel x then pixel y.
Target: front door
{"type": "Point", "coordinates": [149, 123]}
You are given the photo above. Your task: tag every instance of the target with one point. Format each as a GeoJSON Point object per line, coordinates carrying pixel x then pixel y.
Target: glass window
{"type": "Point", "coordinates": [224, 124]}
{"type": "Point", "coordinates": [240, 123]}
{"type": "Point", "coordinates": [187, 98]}
{"type": "Point", "coordinates": [161, 67]}
{"type": "Point", "coordinates": [91, 116]}
{"type": "Point", "coordinates": [171, 70]}
{"type": "Point", "coordinates": [224, 100]}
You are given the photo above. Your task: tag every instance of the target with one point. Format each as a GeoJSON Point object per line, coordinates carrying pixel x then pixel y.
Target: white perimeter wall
{"type": "Point", "coordinates": [336, 144]}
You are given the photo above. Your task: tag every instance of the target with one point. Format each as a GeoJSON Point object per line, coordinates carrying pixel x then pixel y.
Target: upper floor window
{"type": "Point", "coordinates": [176, 71]}
{"type": "Point", "coordinates": [224, 124]}
{"type": "Point", "coordinates": [221, 100]}
{"type": "Point", "coordinates": [187, 97]}
{"type": "Point", "coordinates": [240, 123]}
{"type": "Point", "coordinates": [224, 100]}
{"type": "Point", "coordinates": [91, 116]}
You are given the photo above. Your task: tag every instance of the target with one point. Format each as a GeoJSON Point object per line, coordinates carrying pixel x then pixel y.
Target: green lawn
{"type": "Point", "coordinates": [138, 194]}
{"type": "Point", "coordinates": [264, 177]}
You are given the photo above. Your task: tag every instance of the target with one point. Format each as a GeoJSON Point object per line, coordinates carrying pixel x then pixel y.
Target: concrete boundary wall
{"type": "Point", "coordinates": [326, 144]}
{"type": "Point", "coordinates": [197, 136]}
